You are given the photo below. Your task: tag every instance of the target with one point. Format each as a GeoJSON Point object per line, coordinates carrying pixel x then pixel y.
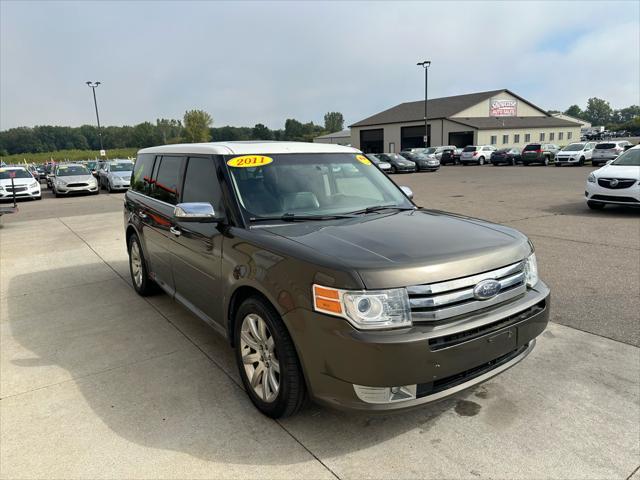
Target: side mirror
{"type": "Point", "coordinates": [407, 191]}
{"type": "Point", "coordinates": [195, 212]}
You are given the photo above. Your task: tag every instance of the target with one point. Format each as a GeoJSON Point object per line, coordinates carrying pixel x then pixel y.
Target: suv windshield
{"type": "Point", "coordinates": [469, 149]}
{"type": "Point", "coordinates": [69, 170]}
{"type": "Point", "coordinates": [574, 147]}
{"type": "Point", "coordinates": [630, 158]}
{"type": "Point", "coordinates": [311, 184]}
{"type": "Point", "coordinates": [121, 167]}
{"type": "Point", "coordinates": [16, 172]}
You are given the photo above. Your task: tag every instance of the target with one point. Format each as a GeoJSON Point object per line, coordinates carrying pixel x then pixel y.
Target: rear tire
{"type": "Point", "coordinates": [481, 161]}
{"type": "Point", "coordinates": [595, 205]}
{"type": "Point", "coordinates": [142, 284]}
{"type": "Point", "coordinates": [546, 161]}
{"type": "Point", "coordinates": [267, 360]}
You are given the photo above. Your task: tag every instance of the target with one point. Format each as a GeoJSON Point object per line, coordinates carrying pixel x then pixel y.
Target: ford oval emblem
{"type": "Point", "coordinates": [486, 289]}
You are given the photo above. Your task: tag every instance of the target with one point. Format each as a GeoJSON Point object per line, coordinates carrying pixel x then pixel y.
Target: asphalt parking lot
{"type": "Point", "coordinates": [96, 382]}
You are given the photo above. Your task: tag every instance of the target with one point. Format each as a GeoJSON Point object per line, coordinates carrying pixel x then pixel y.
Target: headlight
{"type": "Point", "coordinates": [531, 270]}
{"type": "Point", "coordinates": [33, 185]}
{"type": "Point", "coordinates": [60, 182]}
{"type": "Point", "coordinates": [591, 178]}
{"type": "Point", "coordinates": [365, 309]}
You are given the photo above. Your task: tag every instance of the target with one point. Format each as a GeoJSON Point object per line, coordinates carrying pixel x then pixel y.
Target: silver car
{"type": "Point", "coordinates": [116, 175]}
{"type": "Point", "coordinates": [73, 178]}
{"type": "Point", "coordinates": [606, 151]}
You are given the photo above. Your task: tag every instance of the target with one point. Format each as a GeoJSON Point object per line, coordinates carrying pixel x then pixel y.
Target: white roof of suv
{"type": "Point", "coordinates": [249, 148]}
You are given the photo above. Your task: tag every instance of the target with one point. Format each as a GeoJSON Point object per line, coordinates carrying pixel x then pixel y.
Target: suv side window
{"type": "Point", "coordinates": [142, 172]}
{"type": "Point", "coordinates": [201, 183]}
{"type": "Point", "coordinates": [166, 179]}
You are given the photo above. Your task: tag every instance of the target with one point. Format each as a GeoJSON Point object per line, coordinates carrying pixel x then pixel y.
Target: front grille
{"type": "Point", "coordinates": [621, 182]}
{"type": "Point", "coordinates": [613, 198]}
{"type": "Point", "coordinates": [445, 300]}
{"type": "Point", "coordinates": [431, 388]}
{"type": "Point", "coordinates": [77, 184]}
{"type": "Point", "coordinates": [16, 189]}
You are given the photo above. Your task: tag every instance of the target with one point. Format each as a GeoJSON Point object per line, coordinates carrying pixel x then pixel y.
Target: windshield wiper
{"type": "Point", "coordinates": [293, 217]}
{"type": "Point", "coordinates": [377, 208]}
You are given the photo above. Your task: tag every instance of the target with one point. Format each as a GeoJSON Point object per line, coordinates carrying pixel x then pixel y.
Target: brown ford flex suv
{"type": "Point", "coordinates": [325, 277]}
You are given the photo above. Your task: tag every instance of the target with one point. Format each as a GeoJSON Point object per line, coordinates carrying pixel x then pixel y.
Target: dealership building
{"type": "Point", "coordinates": [497, 117]}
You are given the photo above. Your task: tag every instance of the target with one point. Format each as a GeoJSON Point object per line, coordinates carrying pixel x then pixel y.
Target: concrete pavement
{"type": "Point", "coordinates": [96, 382]}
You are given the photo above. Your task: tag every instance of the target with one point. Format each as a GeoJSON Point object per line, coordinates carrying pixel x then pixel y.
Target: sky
{"type": "Point", "coordinates": [263, 62]}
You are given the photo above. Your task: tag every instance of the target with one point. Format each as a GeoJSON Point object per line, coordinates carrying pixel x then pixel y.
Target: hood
{"type": "Point", "coordinates": [412, 247]}
{"type": "Point", "coordinates": [121, 174]}
{"type": "Point", "coordinates": [76, 178]}
{"type": "Point", "coordinates": [618, 171]}
{"type": "Point", "coordinates": [18, 182]}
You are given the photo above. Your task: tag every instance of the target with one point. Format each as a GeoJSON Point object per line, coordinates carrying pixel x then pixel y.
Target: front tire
{"type": "Point", "coordinates": [581, 162]}
{"type": "Point", "coordinates": [142, 284]}
{"type": "Point", "coordinates": [595, 205]}
{"type": "Point", "coordinates": [546, 161]}
{"type": "Point", "coordinates": [394, 169]}
{"type": "Point", "coordinates": [267, 360]}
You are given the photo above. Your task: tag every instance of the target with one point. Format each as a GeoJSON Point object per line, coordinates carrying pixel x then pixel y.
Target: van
{"type": "Point", "coordinates": [325, 277]}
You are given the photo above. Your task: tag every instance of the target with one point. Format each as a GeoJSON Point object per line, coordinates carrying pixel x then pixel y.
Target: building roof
{"type": "Point", "coordinates": [490, 123]}
{"type": "Point", "coordinates": [437, 108]}
{"type": "Point", "coordinates": [257, 147]}
{"type": "Point", "coordinates": [571, 118]}
{"type": "Point", "coordinates": [340, 134]}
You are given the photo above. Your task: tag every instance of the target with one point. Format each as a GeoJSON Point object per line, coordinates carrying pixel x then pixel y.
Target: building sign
{"type": "Point", "coordinates": [503, 107]}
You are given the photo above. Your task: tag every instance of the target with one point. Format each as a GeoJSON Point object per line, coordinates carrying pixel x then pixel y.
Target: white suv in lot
{"type": "Point", "coordinates": [478, 154]}
{"type": "Point", "coordinates": [605, 151]}
{"type": "Point", "coordinates": [616, 183]}
{"type": "Point", "coordinates": [575, 154]}
{"type": "Point", "coordinates": [24, 184]}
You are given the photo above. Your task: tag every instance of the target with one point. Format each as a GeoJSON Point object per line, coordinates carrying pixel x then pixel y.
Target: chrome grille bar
{"type": "Point", "coordinates": [452, 298]}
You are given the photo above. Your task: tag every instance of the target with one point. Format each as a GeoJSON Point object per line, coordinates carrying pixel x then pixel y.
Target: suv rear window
{"type": "Point", "coordinates": [142, 172]}
{"type": "Point", "coordinates": [532, 147]}
{"type": "Point", "coordinates": [469, 149]}
{"type": "Point", "coordinates": [605, 146]}
{"type": "Point", "coordinates": [165, 182]}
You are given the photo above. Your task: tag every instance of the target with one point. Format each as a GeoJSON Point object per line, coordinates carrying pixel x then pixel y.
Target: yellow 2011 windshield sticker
{"type": "Point", "coordinates": [363, 159]}
{"type": "Point", "coordinates": [249, 161]}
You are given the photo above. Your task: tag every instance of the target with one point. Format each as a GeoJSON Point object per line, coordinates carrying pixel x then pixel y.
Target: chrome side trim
{"type": "Point", "coordinates": [466, 281]}
{"type": "Point", "coordinates": [467, 307]}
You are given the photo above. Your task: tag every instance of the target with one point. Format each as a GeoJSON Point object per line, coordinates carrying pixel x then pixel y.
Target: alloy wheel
{"type": "Point", "coordinates": [261, 365]}
{"type": "Point", "coordinates": [136, 264]}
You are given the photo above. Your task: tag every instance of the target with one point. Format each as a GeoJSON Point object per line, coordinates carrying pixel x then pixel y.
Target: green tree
{"type": "Point", "coordinates": [627, 114]}
{"type": "Point", "coordinates": [170, 130]}
{"type": "Point", "coordinates": [145, 135]}
{"type": "Point", "coordinates": [333, 122]}
{"type": "Point", "coordinates": [261, 132]}
{"type": "Point", "coordinates": [574, 111]}
{"type": "Point", "coordinates": [196, 126]}
{"type": "Point", "coordinates": [598, 111]}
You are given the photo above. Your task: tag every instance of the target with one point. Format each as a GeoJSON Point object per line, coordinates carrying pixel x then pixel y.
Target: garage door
{"type": "Point", "coordinates": [412, 137]}
{"type": "Point", "coordinates": [372, 141]}
{"type": "Point", "coordinates": [461, 139]}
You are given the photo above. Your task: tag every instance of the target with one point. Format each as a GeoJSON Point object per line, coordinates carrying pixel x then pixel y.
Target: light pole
{"type": "Point", "coordinates": [425, 65]}
{"type": "Point", "coordinates": [93, 86]}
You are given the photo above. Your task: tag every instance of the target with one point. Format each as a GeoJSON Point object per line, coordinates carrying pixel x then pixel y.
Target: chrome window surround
{"type": "Point", "coordinates": [439, 301]}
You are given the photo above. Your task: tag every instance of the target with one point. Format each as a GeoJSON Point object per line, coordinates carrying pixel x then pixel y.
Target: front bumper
{"type": "Point", "coordinates": [65, 190]}
{"type": "Point", "coordinates": [438, 360]}
{"type": "Point", "coordinates": [614, 196]}
{"type": "Point", "coordinates": [568, 160]}
{"type": "Point", "coordinates": [34, 192]}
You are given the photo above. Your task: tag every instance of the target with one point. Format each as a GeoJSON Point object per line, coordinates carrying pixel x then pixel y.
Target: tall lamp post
{"type": "Point", "coordinates": [93, 86]}
{"type": "Point", "coordinates": [425, 65]}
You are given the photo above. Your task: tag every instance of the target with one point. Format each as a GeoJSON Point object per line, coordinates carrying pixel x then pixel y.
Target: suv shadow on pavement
{"type": "Point", "coordinates": [145, 376]}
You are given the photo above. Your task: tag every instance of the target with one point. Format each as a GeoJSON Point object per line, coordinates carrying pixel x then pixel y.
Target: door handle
{"type": "Point", "coordinates": [142, 215]}
{"type": "Point", "coordinates": [175, 230]}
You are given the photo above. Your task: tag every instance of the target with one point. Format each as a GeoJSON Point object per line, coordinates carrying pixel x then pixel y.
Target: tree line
{"type": "Point", "coordinates": [599, 112]}
{"type": "Point", "coordinates": [195, 126]}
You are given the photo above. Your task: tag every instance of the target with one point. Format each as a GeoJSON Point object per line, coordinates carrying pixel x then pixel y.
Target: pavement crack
{"type": "Point", "coordinates": [633, 473]}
